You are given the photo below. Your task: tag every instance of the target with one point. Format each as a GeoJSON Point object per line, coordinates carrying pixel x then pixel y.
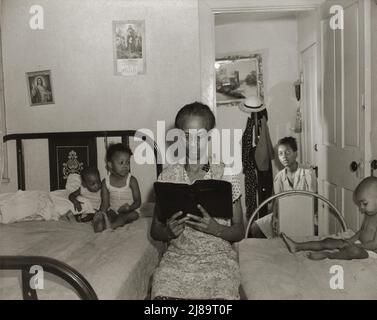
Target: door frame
{"type": "Point", "coordinates": [207, 10]}
{"type": "Point", "coordinates": [314, 115]}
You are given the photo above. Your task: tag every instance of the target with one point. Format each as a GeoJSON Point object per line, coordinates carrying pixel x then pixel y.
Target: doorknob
{"type": "Point", "coordinates": [354, 166]}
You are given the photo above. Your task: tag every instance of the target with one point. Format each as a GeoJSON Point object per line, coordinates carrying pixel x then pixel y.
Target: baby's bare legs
{"type": "Point", "coordinates": [124, 218]}
{"type": "Point", "coordinates": [326, 244]}
{"type": "Point", "coordinates": [347, 253]}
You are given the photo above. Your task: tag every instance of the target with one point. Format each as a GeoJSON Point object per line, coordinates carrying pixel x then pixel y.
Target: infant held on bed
{"type": "Point", "coordinates": [361, 245]}
{"type": "Point", "coordinates": [85, 193]}
{"type": "Point", "coordinates": [120, 191]}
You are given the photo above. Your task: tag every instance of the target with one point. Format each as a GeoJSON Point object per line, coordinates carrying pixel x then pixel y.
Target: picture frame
{"type": "Point", "coordinates": [238, 77]}
{"type": "Point", "coordinates": [129, 47]}
{"type": "Point", "coordinates": [39, 84]}
{"type": "Point", "coordinates": [69, 155]}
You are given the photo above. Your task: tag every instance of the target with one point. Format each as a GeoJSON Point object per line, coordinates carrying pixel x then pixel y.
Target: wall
{"type": "Point", "coordinates": [374, 82]}
{"type": "Point", "coordinates": [277, 40]}
{"type": "Point", "coordinates": [307, 31]}
{"type": "Point", "coordinates": [77, 46]}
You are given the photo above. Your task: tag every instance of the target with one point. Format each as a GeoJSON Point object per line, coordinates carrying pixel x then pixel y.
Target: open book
{"type": "Point", "coordinates": [215, 196]}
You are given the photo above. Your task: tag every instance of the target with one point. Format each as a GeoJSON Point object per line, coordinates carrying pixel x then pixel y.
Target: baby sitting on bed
{"type": "Point", "coordinates": [120, 191]}
{"type": "Point", "coordinates": [356, 247]}
{"type": "Point", "coordinates": [85, 193]}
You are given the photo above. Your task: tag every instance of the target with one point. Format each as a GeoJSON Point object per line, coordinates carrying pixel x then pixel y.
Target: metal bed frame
{"type": "Point", "coordinates": [52, 136]}
{"type": "Point", "coordinates": [60, 269]}
{"type": "Point", "coordinates": [338, 215]}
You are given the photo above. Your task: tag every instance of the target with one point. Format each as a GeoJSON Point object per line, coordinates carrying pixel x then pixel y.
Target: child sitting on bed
{"type": "Point", "coordinates": [356, 247]}
{"type": "Point", "coordinates": [85, 193]}
{"type": "Point", "coordinates": [120, 191]}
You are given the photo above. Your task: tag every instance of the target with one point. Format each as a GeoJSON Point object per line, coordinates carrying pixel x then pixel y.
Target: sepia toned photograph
{"type": "Point", "coordinates": [40, 88]}
{"type": "Point", "coordinates": [129, 47]}
{"type": "Point", "coordinates": [188, 150]}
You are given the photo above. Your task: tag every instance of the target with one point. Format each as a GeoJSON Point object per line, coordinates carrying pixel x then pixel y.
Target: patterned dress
{"type": "Point", "coordinates": [197, 265]}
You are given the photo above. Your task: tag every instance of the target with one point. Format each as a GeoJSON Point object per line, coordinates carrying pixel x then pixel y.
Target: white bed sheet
{"type": "Point", "coordinates": [269, 271]}
{"type": "Point", "coordinates": [118, 264]}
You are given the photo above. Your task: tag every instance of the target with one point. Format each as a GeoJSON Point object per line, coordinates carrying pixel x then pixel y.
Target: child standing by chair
{"type": "Point", "coordinates": [120, 191]}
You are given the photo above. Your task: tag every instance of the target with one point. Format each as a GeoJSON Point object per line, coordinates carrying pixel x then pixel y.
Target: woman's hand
{"type": "Point", "coordinates": [176, 226]}
{"type": "Point", "coordinates": [205, 224]}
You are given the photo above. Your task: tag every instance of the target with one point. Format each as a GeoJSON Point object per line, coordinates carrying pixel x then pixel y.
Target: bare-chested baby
{"type": "Point", "coordinates": [356, 247]}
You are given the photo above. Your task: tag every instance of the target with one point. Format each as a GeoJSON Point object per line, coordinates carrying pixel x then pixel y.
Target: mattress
{"type": "Point", "coordinates": [269, 271]}
{"type": "Point", "coordinates": [118, 264]}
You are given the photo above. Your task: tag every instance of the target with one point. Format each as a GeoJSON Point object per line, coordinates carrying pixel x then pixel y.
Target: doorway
{"type": "Point", "coordinates": [318, 121]}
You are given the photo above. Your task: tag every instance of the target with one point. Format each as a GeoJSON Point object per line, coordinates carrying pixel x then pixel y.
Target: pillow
{"type": "Point", "coordinates": [26, 206]}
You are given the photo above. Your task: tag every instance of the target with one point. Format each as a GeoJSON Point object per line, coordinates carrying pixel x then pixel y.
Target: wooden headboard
{"type": "Point", "coordinates": [69, 152]}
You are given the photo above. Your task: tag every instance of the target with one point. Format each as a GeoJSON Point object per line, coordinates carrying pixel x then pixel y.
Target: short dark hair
{"type": "Point", "coordinates": [87, 171]}
{"type": "Point", "coordinates": [365, 184]}
{"type": "Point", "coordinates": [117, 147]}
{"type": "Point", "coordinates": [195, 109]}
{"type": "Point", "coordinates": [289, 141]}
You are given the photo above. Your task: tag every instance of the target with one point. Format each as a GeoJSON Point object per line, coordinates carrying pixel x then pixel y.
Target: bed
{"type": "Point", "coordinates": [118, 264]}
{"type": "Point", "coordinates": [270, 271]}
{"type": "Point", "coordinates": [113, 264]}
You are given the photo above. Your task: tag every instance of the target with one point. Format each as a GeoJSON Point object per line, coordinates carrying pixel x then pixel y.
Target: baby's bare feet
{"type": "Point", "coordinates": [99, 223]}
{"type": "Point", "coordinates": [291, 245]}
{"type": "Point", "coordinates": [316, 255]}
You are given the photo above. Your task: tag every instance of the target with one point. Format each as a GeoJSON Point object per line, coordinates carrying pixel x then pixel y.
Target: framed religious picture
{"type": "Point", "coordinates": [70, 155]}
{"type": "Point", "coordinates": [39, 85]}
{"type": "Point", "coordinates": [129, 47]}
{"type": "Point", "coordinates": [238, 77]}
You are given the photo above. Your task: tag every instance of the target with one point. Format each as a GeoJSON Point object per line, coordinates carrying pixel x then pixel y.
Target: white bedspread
{"type": "Point", "coordinates": [118, 264]}
{"type": "Point", "coordinates": [33, 205]}
{"type": "Point", "coordinates": [269, 271]}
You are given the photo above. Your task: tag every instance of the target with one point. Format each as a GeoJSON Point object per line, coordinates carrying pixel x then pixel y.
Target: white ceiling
{"type": "Point", "coordinates": [231, 18]}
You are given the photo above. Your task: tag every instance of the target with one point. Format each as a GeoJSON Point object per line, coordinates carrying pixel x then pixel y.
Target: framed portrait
{"type": "Point", "coordinates": [70, 155]}
{"type": "Point", "coordinates": [238, 77]}
{"type": "Point", "coordinates": [129, 47]}
{"type": "Point", "coordinates": [39, 85]}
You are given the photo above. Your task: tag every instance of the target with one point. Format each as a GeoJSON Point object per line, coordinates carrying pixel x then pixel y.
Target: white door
{"type": "Point", "coordinates": [342, 114]}
{"type": "Point", "coordinates": [309, 105]}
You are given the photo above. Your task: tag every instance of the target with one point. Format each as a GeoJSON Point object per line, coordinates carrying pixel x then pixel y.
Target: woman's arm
{"type": "Point", "coordinates": [236, 232]}
{"type": "Point", "coordinates": [171, 230]}
{"type": "Point", "coordinates": [159, 231]}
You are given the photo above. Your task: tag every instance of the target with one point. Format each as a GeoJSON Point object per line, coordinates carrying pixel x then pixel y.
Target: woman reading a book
{"type": "Point", "coordinates": [200, 262]}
